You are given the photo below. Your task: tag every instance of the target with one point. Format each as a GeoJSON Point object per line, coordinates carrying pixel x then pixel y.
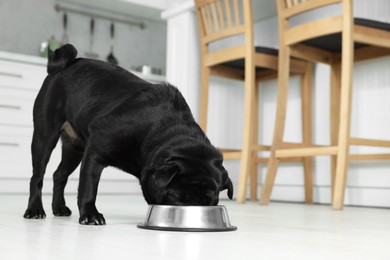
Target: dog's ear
{"type": "Point", "coordinates": [154, 179]}
{"type": "Point", "coordinates": [164, 175]}
{"type": "Point", "coordinates": [161, 178]}
{"type": "Point", "coordinates": [229, 186]}
{"type": "Point", "coordinates": [226, 181]}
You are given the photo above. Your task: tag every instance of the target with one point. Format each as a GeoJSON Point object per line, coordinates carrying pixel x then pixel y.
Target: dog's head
{"type": "Point", "coordinates": [186, 176]}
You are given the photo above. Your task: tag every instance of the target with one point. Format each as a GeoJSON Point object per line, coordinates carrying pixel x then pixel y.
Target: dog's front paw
{"type": "Point", "coordinates": [92, 218]}
{"type": "Point", "coordinates": [62, 211]}
{"type": "Point", "coordinates": [34, 213]}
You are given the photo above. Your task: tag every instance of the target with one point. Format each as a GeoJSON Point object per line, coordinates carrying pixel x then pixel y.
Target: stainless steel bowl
{"type": "Point", "coordinates": [187, 218]}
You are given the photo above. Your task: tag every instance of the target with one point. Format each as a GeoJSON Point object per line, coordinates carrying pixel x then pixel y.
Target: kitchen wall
{"type": "Point", "coordinates": [26, 23]}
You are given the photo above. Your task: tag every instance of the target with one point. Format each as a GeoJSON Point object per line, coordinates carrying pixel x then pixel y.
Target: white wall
{"type": "Point", "coordinates": [26, 23]}
{"type": "Point", "coordinates": [368, 182]}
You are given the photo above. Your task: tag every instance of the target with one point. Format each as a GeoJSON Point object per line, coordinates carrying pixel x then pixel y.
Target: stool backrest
{"type": "Point", "coordinates": [312, 29]}
{"type": "Point", "coordinates": [223, 18]}
{"type": "Point", "coordinates": [295, 7]}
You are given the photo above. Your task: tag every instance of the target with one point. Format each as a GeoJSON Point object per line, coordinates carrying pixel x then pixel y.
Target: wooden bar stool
{"type": "Point", "coordinates": [338, 41]}
{"type": "Point", "coordinates": [218, 19]}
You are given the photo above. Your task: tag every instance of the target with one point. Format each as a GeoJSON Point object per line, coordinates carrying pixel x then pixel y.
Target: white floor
{"type": "Point", "coordinates": [277, 231]}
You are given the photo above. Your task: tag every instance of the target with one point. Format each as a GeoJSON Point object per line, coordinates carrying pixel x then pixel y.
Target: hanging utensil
{"type": "Point", "coordinates": [90, 53]}
{"type": "Point", "coordinates": [51, 43]}
{"type": "Point", "coordinates": [65, 38]}
{"type": "Point", "coordinates": [111, 58]}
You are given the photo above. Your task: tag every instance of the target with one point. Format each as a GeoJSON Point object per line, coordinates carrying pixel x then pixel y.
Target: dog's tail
{"type": "Point", "coordinates": [61, 58]}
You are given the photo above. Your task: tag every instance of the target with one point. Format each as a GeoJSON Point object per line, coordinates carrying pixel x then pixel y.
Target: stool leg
{"type": "Point", "coordinates": [255, 123]}
{"type": "Point", "coordinates": [335, 77]}
{"type": "Point", "coordinates": [307, 114]}
{"type": "Point", "coordinates": [247, 147]}
{"type": "Point", "coordinates": [273, 162]}
{"type": "Point", "coordinates": [204, 97]}
{"type": "Point", "coordinates": [345, 114]}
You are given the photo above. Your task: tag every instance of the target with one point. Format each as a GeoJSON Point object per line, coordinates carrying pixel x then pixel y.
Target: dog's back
{"type": "Point", "coordinates": [91, 77]}
{"type": "Point", "coordinates": [85, 89]}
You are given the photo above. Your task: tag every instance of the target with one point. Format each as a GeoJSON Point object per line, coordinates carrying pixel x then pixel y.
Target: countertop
{"type": "Point", "coordinates": [35, 60]}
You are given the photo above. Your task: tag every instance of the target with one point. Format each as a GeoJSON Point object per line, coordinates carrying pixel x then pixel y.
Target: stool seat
{"type": "Point", "coordinates": [240, 63]}
{"type": "Point", "coordinates": [332, 42]}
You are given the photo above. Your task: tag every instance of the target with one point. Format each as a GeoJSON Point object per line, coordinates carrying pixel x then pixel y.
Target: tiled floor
{"type": "Point", "coordinates": [277, 231]}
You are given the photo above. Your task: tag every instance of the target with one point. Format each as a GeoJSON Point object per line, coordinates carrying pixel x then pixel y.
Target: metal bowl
{"type": "Point", "coordinates": [187, 218]}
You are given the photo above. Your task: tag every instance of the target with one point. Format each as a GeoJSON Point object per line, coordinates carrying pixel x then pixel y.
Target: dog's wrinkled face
{"type": "Point", "coordinates": [187, 180]}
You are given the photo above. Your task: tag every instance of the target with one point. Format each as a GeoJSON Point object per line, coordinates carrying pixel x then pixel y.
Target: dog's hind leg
{"type": "Point", "coordinates": [71, 158]}
{"type": "Point", "coordinates": [45, 138]}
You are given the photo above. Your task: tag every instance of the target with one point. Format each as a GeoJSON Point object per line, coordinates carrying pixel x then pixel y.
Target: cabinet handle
{"type": "Point", "coordinates": [11, 74]}
{"type": "Point", "coordinates": [9, 144]}
{"type": "Point", "coordinates": [10, 107]}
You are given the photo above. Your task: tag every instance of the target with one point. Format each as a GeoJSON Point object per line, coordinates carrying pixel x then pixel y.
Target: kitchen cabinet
{"type": "Point", "coordinates": [19, 84]}
{"type": "Point", "coordinates": [21, 77]}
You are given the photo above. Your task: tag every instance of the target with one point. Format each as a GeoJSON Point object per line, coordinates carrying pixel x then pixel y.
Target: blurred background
{"type": "Point", "coordinates": [139, 38]}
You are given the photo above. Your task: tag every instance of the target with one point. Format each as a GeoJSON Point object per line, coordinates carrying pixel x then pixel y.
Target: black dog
{"type": "Point", "coordinates": [107, 116]}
